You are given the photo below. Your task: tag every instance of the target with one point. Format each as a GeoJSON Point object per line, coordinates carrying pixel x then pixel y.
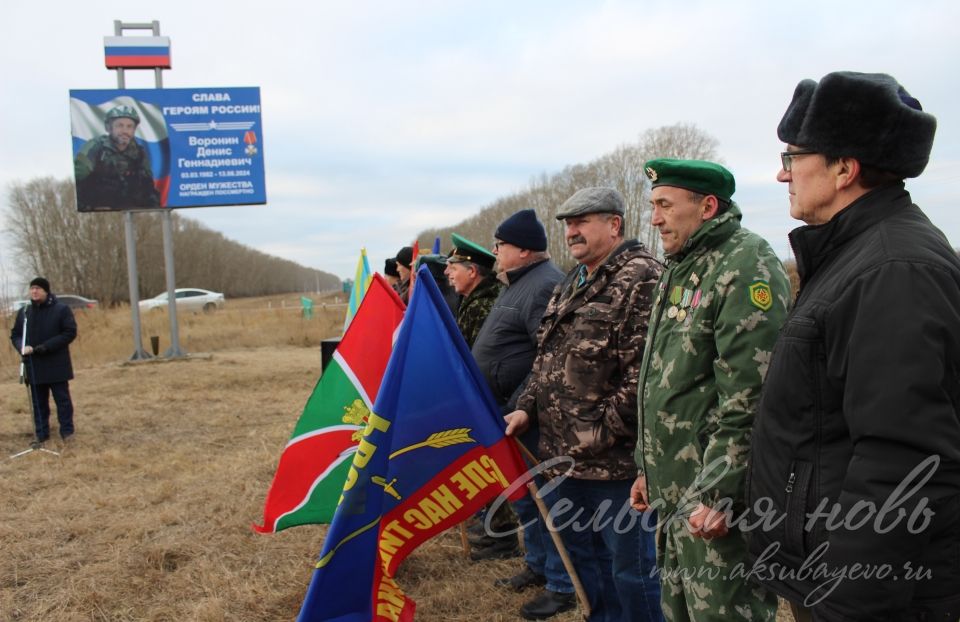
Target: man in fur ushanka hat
{"type": "Point", "coordinates": [861, 403]}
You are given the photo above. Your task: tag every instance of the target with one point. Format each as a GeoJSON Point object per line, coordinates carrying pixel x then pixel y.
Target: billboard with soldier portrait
{"type": "Point", "coordinates": [167, 148]}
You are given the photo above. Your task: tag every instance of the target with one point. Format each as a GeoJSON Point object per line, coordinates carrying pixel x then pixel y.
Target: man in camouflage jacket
{"type": "Point", "coordinates": [114, 170]}
{"type": "Point", "coordinates": [719, 306]}
{"type": "Point", "coordinates": [470, 271]}
{"type": "Point", "coordinates": [582, 391]}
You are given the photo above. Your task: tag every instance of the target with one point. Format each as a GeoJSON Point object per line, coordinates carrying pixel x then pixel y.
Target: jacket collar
{"type": "Point", "coordinates": [813, 244]}
{"type": "Point", "coordinates": [51, 299]}
{"type": "Point", "coordinates": [611, 265]}
{"type": "Point", "coordinates": [486, 284]}
{"type": "Point", "coordinates": [512, 276]}
{"type": "Point", "coordinates": [710, 234]}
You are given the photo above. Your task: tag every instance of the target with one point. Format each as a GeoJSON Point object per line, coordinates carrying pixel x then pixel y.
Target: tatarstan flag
{"type": "Point", "coordinates": [432, 454]}
{"type": "Point", "coordinates": [315, 462]}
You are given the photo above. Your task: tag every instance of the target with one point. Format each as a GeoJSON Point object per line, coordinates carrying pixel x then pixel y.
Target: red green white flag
{"type": "Point", "coordinates": [313, 467]}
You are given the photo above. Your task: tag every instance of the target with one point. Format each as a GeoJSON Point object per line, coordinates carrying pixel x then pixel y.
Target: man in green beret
{"type": "Point", "coordinates": [718, 307]}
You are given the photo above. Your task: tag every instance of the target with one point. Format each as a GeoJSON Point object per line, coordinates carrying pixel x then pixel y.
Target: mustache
{"type": "Point", "coordinates": [577, 239]}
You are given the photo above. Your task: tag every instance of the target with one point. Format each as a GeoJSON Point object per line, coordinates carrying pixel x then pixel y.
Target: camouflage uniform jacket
{"type": "Point", "coordinates": [582, 390]}
{"type": "Point", "coordinates": [475, 307]}
{"type": "Point", "coordinates": [719, 307]}
{"type": "Point", "coordinates": [107, 177]}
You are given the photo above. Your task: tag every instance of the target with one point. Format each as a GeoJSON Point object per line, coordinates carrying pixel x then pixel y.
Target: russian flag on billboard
{"type": "Point", "coordinates": [87, 122]}
{"type": "Point", "coordinates": [137, 52]}
{"type": "Point", "coordinates": [433, 452]}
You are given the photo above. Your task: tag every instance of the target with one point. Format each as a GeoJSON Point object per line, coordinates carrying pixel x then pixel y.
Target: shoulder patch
{"type": "Point", "coordinates": [761, 296]}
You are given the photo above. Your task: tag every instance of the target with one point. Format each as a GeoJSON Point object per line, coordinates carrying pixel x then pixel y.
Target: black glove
{"type": "Point", "coordinates": [40, 349]}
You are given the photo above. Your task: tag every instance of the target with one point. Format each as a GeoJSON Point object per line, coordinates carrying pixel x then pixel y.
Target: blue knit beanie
{"type": "Point", "coordinates": [523, 230]}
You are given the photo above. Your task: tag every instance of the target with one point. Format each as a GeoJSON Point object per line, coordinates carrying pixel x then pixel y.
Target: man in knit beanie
{"type": "Point", "coordinates": [42, 334]}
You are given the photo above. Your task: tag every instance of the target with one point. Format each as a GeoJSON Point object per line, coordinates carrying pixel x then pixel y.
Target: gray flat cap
{"type": "Point", "coordinates": [592, 201]}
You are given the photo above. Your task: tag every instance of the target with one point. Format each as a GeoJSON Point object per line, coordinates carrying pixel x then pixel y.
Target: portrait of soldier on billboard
{"type": "Point", "coordinates": [114, 170]}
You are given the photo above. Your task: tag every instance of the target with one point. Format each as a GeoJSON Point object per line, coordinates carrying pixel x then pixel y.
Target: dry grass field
{"type": "Point", "coordinates": [147, 516]}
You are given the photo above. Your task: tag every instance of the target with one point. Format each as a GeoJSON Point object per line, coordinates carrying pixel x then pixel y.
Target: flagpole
{"type": "Point", "coordinates": [554, 535]}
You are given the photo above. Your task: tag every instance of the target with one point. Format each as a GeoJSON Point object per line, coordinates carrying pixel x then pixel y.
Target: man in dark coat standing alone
{"type": "Point", "coordinates": [50, 327]}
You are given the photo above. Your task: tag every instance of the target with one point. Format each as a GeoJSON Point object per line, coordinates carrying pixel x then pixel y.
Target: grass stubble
{"type": "Point", "coordinates": [147, 515]}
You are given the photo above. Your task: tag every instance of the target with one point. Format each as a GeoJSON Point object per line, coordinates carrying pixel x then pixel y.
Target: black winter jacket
{"type": "Point", "coordinates": [864, 386]}
{"type": "Point", "coordinates": [507, 343]}
{"type": "Point", "coordinates": [50, 329]}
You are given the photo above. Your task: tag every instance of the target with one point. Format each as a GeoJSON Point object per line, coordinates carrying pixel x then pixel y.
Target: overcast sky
{"type": "Point", "coordinates": [384, 118]}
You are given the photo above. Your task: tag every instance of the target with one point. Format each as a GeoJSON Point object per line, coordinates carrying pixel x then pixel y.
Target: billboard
{"type": "Point", "coordinates": [167, 148]}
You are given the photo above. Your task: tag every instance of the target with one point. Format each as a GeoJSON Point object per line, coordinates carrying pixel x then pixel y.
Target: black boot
{"type": "Point", "coordinates": [547, 605]}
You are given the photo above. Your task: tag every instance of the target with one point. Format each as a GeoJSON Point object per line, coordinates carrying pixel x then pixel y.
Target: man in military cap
{"type": "Point", "coordinates": [861, 407]}
{"type": "Point", "coordinates": [504, 351]}
{"type": "Point", "coordinates": [437, 265]}
{"type": "Point", "coordinates": [114, 170]}
{"type": "Point", "coordinates": [719, 305]}
{"type": "Point", "coordinates": [470, 270]}
{"type": "Point", "coordinates": [582, 392]}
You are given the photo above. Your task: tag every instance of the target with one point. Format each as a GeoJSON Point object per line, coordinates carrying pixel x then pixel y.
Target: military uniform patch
{"type": "Point", "coordinates": [761, 296]}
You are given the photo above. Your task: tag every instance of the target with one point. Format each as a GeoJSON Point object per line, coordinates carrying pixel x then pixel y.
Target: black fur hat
{"type": "Point", "coordinates": [867, 116]}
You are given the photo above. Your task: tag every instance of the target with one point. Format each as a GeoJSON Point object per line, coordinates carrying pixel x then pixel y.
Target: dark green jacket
{"type": "Point", "coordinates": [475, 307]}
{"type": "Point", "coordinates": [107, 177]}
{"type": "Point", "coordinates": [719, 306]}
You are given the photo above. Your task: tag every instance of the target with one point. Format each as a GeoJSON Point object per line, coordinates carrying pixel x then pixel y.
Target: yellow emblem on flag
{"type": "Point", "coordinates": [761, 296]}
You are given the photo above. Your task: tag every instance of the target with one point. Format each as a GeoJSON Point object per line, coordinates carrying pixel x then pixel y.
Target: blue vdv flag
{"type": "Point", "coordinates": [433, 453]}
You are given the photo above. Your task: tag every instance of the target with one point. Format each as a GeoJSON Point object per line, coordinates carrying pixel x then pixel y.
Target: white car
{"type": "Point", "coordinates": [188, 299]}
{"type": "Point", "coordinates": [16, 306]}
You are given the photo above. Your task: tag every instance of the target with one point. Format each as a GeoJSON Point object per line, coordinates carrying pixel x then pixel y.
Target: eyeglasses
{"type": "Point", "coordinates": [498, 244]}
{"type": "Point", "coordinates": [786, 157]}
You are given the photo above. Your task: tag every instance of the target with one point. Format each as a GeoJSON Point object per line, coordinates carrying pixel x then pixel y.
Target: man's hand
{"type": "Point", "coordinates": [707, 523]}
{"type": "Point", "coordinates": [517, 422]}
{"type": "Point", "coordinates": [638, 494]}
{"type": "Point", "coordinates": [27, 350]}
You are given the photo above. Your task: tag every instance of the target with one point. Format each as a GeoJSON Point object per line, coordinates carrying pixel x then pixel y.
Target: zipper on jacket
{"type": "Point", "coordinates": [798, 486]}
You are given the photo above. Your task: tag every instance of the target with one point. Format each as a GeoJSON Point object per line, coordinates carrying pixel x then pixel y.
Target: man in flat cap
{"type": "Point", "coordinates": [504, 351]}
{"type": "Point", "coordinates": [719, 305]}
{"type": "Point", "coordinates": [470, 271]}
{"type": "Point", "coordinates": [582, 392]}
{"type": "Point", "coordinates": [42, 334]}
{"type": "Point", "coordinates": [860, 415]}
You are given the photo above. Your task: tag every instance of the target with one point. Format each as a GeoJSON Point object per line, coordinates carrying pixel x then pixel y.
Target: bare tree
{"type": "Point", "coordinates": [85, 253]}
{"type": "Point", "coordinates": [621, 169]}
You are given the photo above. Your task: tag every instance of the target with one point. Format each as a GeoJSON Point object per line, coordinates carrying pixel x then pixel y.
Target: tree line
{"type": "Point", "coordinates": [621, 169]}
{"type": "Point", "coordinates": [86, 254]}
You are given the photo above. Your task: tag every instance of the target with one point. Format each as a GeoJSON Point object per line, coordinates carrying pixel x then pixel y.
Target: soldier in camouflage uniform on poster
{"type": "Point", "coordinates": [719, 307]}
{"type": "Point", "coordinates": [470, 271]}
{"type": "Point", "coordinates": [114, 170]}
{"type": "Point", "coordinates": [583, 393]}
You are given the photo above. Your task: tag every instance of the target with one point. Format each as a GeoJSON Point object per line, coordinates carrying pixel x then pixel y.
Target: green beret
{"type": "Point", "coordinates": [697, 176]}
{"type": "Point", "coordinates": [465, 250]}
{"type": "Point", "coordinates": [598, 200]}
